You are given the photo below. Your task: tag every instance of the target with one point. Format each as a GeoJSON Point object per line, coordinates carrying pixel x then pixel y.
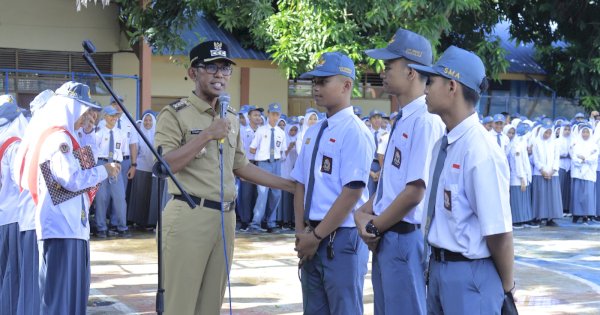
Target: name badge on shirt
{"type": "Point", "coordinates": [397, 158]}
{"type": "Point", "coordinates": [326, 164]}
{"type": "Point", "coordinates": [307, 141]}
{"type": "Point", "coordinates": [195, 131]}
{"type": "Point", "coordinates": [118, 146]}
{"type": "Point", "coordinates": [448, 200]}
{"type": "Point", "coordinates": [278, 143]}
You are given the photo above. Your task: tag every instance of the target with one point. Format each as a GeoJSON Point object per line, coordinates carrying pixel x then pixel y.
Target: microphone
{"type": "Point", "coordinates": [88, 46]}
{"type": "Point", "coordinates": [224, 103]}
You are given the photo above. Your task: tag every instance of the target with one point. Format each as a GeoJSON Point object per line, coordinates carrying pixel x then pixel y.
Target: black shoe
{"type": "Point", "coordinates": [101, 234]}
{"type": "Point", "coordinates": [575, 218]}
{"type": "Point", "coordinates": [274, 230]}
{"type": "Point", "coordinates": [125, 233]}
{"type": "Point", "coordinates": [551, 223]}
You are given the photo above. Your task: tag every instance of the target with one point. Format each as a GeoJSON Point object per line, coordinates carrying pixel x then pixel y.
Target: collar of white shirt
{"type": "Point", "coordinates": [339, 117]}
{"type": "Point", "coordinates": [463, 127]}
{"type": "Point", "coordinates": [412, 107]}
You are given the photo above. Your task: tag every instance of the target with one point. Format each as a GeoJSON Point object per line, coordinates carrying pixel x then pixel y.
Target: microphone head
{"type": "Point", "coordinates": [224, 101]}
{"type": "Point", "coordinates": [88, 46]}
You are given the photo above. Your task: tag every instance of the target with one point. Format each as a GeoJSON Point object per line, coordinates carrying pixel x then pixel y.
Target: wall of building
{"type": "Point", "coordinates": [56, 25]}
{"type": "Point", "coordinates": [268, 86]}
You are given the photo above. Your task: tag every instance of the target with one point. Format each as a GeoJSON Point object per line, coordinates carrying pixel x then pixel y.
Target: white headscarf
{"type": "Point", "coordinates": [59, 111]}
{"type": "Point", "coordinates": [145, 157]}
{"type": "Point", "coordinates": [303, 129]}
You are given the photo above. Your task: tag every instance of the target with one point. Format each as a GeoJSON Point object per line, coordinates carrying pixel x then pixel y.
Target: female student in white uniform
{"type": "Point", "coordinates": [310, 118]}
{"type": "Point", "coordinates": [584, 164]}
{"type": "Point", "coordinates": [63, 228]}
{"type": "Point", "coordinates": [564, 172]}
{"type": "Point", "coordinates": [547, 200]}
{"type": "Point", "coordinates": [142, 209]}
{"type": "Point", "coordinates": [520, 177]}
{"type": "Point", "coordinates": [12, 127]}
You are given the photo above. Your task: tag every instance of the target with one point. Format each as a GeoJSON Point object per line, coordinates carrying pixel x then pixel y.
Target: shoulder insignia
{"type": "Point", "coordinates": [64, 148]}
{"type": "Point", "coordinates": [179, 105]}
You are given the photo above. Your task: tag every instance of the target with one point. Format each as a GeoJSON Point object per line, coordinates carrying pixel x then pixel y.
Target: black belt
{"type": "Point", "coordinates": [440, 254]}
{"type": "Point", "coordinates": [269, 161]}
{"type": "Point", "coordinates": [253, 162]}
{"type": "Point", "coordinates": [313, 224]}
{"type": "Point", "coordinates": [106, 160]}
{"type": "Point", "coordinates": [215, 205]}
{"type": "Point", "coordinates": [126, 157]}
{"type": "Point", "coordinates": [404, 227]}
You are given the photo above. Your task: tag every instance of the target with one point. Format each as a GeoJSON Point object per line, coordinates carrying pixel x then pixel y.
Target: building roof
{"type": "Point", "coordinates": [521, 56]}
{"type": "Point", "coordinates": [207, 29]}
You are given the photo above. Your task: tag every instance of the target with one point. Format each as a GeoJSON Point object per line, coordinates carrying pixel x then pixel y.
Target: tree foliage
{"type": "Point", "coordinates": [567, 39]}
{"type": "Point", "coordinates": [297, 32]}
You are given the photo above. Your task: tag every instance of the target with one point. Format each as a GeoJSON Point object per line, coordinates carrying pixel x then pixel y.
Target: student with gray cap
{"type": "Point", "coordinates": [390, 221]}
{"type": "Point", "coordinates": [268, 147]}
{"type": "Point", "coordinates": [331, 173]}
{"type": "Point", "coordinates": [468, 222]}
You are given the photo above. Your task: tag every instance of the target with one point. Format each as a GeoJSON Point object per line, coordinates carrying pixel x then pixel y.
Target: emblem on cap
{"type": "Point", "coordinates": [275, 106]}
{"type": "Point", "coordinates": [414, 52]}
{"type": "Point", "coordinates": [452, 73]}
{"type": "Point", "coordinates": [321, 62]}
{"type": "Point", "coordinates": [345, 70]}
{"type": "Point", "coordinates": [218, 51]}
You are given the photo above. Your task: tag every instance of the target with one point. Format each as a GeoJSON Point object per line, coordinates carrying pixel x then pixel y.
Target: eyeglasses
{"type": "Point", "coordinates": [212, 69]}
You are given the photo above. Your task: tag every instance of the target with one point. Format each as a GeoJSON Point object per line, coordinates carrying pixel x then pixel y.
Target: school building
{"type": "Point", "coordinates": [40, 47]}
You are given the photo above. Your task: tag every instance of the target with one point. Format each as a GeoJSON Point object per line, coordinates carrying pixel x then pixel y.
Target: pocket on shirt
{"type": "Point", "coordinates": [450, 194]}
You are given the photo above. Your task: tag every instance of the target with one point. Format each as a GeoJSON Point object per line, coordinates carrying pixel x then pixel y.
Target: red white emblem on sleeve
{"type": "Point", "coordinates": [64, 148]}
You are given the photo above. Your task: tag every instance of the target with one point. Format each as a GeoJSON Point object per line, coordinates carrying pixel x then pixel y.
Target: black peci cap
{"type": "Point", "coordinates": [208, 51]}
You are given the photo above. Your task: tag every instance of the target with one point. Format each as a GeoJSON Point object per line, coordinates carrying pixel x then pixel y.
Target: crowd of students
{"type": "Point", "coordinates": [553, 165]}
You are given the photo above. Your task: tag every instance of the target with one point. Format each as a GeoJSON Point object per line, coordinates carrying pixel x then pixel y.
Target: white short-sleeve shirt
{"type": "Point", "coordinates": [345, 154]}
{"type": "Point", "coordinates": [262, 143]}
{"type": "Point", "coordinates": [103, 142]}
{"type": "Point", "coordinates": [247, 135]}
{"type": "Point", "coordinates": [408, 155]}
{"type": "Point", "coordinates": [504, 141]}
{"type": "Point", "coordinates": [472, 199]}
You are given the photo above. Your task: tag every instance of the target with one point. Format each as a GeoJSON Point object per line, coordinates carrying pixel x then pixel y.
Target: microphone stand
{"type": "Point", "coordinates": [161, 168]}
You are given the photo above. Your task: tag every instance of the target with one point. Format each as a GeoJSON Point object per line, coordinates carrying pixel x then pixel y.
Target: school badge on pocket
{"type": "Point", "coordinates": [397, 158]}
{"type": "Point", "coordinates": [326, 164]}
{"type": "Point", "coordinates": [448, 200]}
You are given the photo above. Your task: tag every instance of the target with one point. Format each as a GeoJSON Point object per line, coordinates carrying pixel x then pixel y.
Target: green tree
{"type": "Point", "coordinates": [567, 39]}
{"type": "Point", "coordinates": [297, 32]}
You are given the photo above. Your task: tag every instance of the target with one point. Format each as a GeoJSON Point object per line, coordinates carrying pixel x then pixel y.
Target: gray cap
{"type": "Point", "coordinates": [459, 65]}
{"type": "Point", "coordinates": [405, 44]}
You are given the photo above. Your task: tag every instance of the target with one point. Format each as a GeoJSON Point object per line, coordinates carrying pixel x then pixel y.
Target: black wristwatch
{"type": "Point", "coordinates": [372, 229]}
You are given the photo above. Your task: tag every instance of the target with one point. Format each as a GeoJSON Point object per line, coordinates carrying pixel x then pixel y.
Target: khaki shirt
{"type": "Point", "coordinates": [177, 125]}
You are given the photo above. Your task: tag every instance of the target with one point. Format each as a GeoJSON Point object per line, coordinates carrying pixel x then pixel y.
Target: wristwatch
{"type": "Point", "coordinates": [134, 164]}
{"type": "Point", "coordinates": [372, 229]}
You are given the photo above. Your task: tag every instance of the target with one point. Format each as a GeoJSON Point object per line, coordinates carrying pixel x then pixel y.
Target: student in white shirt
{"type": "Point", "coordinates": [331, 173]}
{"type": "Point", "coordinates": [497, 133]}
{"type": "Point", "coordinates": [62, 228]}
{"type": "Point", "coordinates": [584, 155]}
{"type": "Point", "coordinates": [268, 146]}
{"type": "Point", "coordinates": [468, 221]}
{"type": "Point", "coordinates": [390, 221]}
{"type": "Point", "coordinates": [247, 195]}
{"type": "Point", "coordinates": [375, 119]}
{"type": "Point", "coordinates": [546, 196]}
{"type": "Point", "coordinates": [111, 194]}
{"type": "Point", "coordinates": [564, 171]}
{"type": "Point", "coordinates": [520, 177]}
{"type": "Point", "coordinates": [12, 127]}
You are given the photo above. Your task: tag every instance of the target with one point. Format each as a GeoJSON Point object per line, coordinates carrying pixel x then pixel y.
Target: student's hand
{"type": "Point", "coordinates": [523, 185]}
{"type": "Point", "coordinates": [113, 169]}
{"type": "Point", "coordinates": [218, 129]}
{"type": "Point", "coordinates": [131, 172]}
{"type": "Point", "coordinates": [375, 176]}
{"type": "Point", "coordinates": [361, 219]}
{"type": "Point", "coordinates": [306, 245]}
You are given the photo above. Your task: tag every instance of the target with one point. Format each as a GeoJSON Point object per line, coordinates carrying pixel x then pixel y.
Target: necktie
{"type": "Point", "coordinates": [311, 176]}
{"type": "Point", "coordinates": [439, 164]}
{"type": "Point", "coordinates": [111, 147]}
{"type": "Point", "coordinates": [498, 139]}
{"type": "Point", "coordinates": [380, 187]}
{"type": "Point", "coordinates": [272, 152]}
{"type": "Point", "coordinates": [376, 143]}
{"type": "Point", "coordinates": [119, 123]}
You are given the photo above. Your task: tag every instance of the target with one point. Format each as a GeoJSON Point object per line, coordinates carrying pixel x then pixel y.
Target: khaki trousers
{"type": "Point", "coordinates": [195, 276]}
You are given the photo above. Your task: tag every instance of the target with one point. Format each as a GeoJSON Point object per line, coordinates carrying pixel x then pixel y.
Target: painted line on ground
{"type": "Point", "coordinates": [592, 285]}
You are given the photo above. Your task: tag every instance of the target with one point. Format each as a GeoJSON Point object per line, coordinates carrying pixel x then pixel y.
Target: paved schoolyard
{"type": "Point", "coordinates": [557, 272]}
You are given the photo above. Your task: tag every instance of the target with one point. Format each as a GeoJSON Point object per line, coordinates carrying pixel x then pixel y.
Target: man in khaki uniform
{"type": "Point", "coordinates": [195, 272]}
